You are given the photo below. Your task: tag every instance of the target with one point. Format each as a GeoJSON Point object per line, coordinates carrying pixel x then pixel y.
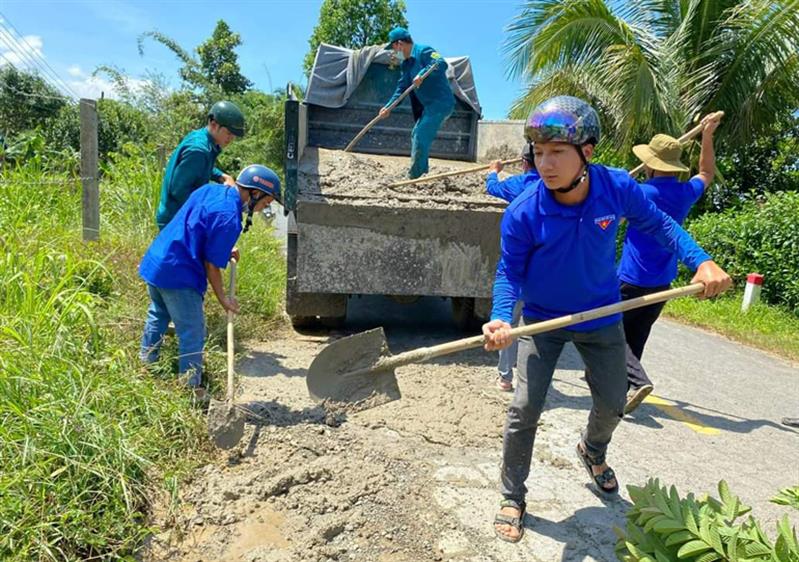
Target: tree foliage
{"type": "Point", "coordinates": [25, 101]}
{"type": "Point", "coordinates": [657, 65]}
{"type": "Point", "coordinates": [219, 62]}
{"type": "Point", "coordinates": [214, 72]}
{"type": "Point", "coordinates": [354, 24]}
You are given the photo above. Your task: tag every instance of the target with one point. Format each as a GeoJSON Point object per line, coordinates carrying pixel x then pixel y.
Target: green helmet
{"type": "Point", "coordinates": [228, 115]}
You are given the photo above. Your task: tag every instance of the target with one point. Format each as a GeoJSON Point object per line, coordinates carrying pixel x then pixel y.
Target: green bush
{"type": "Point", "coordinates": [662, 527]}
{"type": "Point", "coordinates": [760, 237]}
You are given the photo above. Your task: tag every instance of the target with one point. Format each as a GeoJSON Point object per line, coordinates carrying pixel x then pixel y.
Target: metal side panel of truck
{"type": "Point", "coordinates": [338, 247]}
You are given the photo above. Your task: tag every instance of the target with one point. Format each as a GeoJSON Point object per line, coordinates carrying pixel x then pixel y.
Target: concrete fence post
{"type": "Point", "coordinates": [88, 170]}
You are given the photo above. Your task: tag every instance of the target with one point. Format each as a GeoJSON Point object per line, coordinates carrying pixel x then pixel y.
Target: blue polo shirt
{"type": "Point", "coordinates": [191, 165]}
{"type": "Point", "coordinates": [644, 262]}
{"type": "Point", "coordinates": [510, 188]}
{"type": "Point", "coordinates": [434, 92]}
{"type": "Point", "coordinates": [560, 259]}
{"type": "Point", "coordinates": [205, 229]}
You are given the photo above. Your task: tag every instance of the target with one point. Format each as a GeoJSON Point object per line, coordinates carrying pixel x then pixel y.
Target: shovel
{"type": "Point", "coordinates": [360, 368]}
{"type": "Point", "coordinates": [471, 170]}
{"type": "Point", "coordinates": [225, 421]}
{"type": "Point", "coordinates": [396, 102]}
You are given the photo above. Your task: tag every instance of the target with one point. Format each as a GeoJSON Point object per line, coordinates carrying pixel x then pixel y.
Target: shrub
{"type": "Point", "coordinates": [662, 527]}
{"type": "Point", "coordinates": [761, 237]}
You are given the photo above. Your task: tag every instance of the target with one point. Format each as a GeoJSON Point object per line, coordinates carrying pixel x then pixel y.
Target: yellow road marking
{"type": "Point", "coordinates": [674, 412]}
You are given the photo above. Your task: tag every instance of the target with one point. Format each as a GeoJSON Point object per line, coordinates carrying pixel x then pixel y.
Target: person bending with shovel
{"type": "Point", "coordinates": [432, 92]}
{"type": "Point", "coordinates": [558, 249]}
{"type": "Point", "coordinates": [188, 254]}
{"type": "Point", "coordinates": [646, 266]}
{"type": "Point", "coordinates": [509, 189]}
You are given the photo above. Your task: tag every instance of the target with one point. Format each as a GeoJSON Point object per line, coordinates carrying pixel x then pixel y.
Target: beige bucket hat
{"type": "Point", "coordinates": [662, 154]}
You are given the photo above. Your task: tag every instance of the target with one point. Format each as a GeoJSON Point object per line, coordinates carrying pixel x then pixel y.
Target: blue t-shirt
{"type": "Point", "coordinates": [205, 229]}
{"type": "Point", "coordinates": [644, 262]}
{"type": "Point", "coordinates": [434, 92]}
{"type": "Point", "coordinates": [560, 259]}
{"type": "Point", "coordinates": [510, 188]}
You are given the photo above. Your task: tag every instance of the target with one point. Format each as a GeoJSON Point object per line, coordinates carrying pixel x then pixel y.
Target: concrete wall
{"type": "Point", "coordinates": [499, 139]}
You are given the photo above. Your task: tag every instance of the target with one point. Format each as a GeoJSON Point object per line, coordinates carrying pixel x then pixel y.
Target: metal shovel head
{"type": "Point", "coordinates": [225, 424]}
{"type": "Point", "coordinates": [347, 371]}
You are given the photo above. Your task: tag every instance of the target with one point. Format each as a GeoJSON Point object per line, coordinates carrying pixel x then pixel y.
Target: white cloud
{"type": "Point", "coordinates": [30, 47]}
{"type": "Point", "coordinates": [93, 87]}
{"type": "Point", "coordinates": [74, 70]}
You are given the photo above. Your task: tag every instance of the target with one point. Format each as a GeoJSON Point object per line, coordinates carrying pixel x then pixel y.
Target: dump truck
{"type": "Point", "coordinates": [350, 230]}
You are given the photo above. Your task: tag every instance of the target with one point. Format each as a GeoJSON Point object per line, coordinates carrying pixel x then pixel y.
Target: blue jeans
{"type": "Point", "coordinates": [185, 308]}
{"type": "Point", "coordinates": [507, 356]}
{"type": "Point", "coordinates": [422, 137]}
{"type": "Point", "coordinates": [602, 351]}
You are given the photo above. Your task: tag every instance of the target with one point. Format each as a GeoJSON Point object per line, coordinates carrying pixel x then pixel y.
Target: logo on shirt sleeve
{"type": "Point", "coordinates": [604, 222]}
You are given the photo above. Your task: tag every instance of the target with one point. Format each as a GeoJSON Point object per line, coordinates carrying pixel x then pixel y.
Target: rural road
{"type": "Point", "coordinates": [416, 479]}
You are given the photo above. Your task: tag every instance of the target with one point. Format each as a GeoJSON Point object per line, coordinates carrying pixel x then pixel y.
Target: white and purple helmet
{"type": "Point", "coordinates": [563, 119]}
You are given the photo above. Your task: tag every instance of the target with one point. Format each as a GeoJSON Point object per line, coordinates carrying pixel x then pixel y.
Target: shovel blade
{"type": "Point", "coordinates": [225, 424]}
{"type": "Point", "coordinates": [330, 376]}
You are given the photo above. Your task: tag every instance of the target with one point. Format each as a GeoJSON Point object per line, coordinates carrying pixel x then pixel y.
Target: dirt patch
{"type": "Point", "coordinates": [315, 482]}
{"type": "Point", "coordinates": [337, 175]}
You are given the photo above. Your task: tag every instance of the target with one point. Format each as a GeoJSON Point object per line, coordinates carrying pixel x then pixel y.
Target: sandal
{"type": "Point", "coordinates": [504, 384]}
{"type": "Point", "coordinates": [515, 522]}
{"type": "Point", "coordinates": [599, 479]}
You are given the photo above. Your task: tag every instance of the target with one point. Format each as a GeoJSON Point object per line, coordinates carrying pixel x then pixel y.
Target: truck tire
{"type": "Point", "coordinates": [463, 313]}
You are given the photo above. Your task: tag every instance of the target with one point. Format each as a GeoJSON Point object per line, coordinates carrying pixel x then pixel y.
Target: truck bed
{"type": "Point", "coordinates": [363, 179]}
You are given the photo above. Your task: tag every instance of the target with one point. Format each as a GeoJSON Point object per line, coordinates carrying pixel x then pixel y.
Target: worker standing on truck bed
{"type": "Point", "coordinates": [192, 164]}
{"type": "Point", "coordinates": [558, 249]}
{"type": "Point", "coordinates": [433, 93]}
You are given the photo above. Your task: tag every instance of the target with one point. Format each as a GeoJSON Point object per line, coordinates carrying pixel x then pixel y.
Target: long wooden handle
{"type": "Point", "coordinates": [394, 104]}
{"type": "Point", "coordinates": [686, 137]}
{"type": "Point", "coordinates": [230, 315]}
{"type": "Point", "coordinates": [425, 353]}
{"type": "Point", "coordinates": [453, 173]}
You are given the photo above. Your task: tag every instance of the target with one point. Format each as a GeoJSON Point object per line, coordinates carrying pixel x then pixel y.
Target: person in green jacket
{"type": "Point", "coordinates": [192, 164]}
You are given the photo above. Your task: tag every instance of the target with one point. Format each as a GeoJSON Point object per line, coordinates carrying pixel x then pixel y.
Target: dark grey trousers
{"type": "Point", "coordinates": [603, 352]}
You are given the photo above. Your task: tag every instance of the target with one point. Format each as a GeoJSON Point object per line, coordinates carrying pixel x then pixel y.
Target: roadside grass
{"type": "Point", "coordinates": [767, 327]}
{"type": "Point", "coordinates": [87, 435]}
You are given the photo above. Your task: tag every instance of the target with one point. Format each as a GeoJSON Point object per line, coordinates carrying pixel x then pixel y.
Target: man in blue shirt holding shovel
{"type": "Point", "coordinates": [432, 92]}
{"type": "Point", "coordinates": [558, 250]}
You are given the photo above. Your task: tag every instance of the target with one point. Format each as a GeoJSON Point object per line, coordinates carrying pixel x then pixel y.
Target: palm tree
{"type": "Point", "coordinates": [657, 65]}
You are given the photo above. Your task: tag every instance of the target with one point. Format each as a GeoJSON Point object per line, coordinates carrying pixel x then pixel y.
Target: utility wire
{"type": "Point", "coordinates": [32, 54]}
{"type": "Point", "coordinates": [36, 54]}
{"type": "Point", "coordinates": [29, 63]}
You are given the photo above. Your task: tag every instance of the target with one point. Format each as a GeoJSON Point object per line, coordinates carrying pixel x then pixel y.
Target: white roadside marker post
{"type": "Point", "coordinates": [754, 283]}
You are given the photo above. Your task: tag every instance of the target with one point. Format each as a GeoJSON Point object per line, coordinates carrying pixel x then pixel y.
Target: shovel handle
{"type": "Point", "coordinates": [479, 168]}
{"type": "Point", "coordinates": [686, 137]}
{"type": "Point", "coordinates": [425, 353]}
{"type": "Point", "coordinates": [394, 104]}
{"type": "Point", "coordinates": [230, 315]}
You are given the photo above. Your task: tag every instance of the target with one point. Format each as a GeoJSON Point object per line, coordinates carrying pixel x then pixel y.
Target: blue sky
{"type": "Point", "coordinates": [75, 37]}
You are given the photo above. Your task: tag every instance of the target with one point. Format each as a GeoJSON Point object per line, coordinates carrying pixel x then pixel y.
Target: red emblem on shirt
{"type": "Point", "coordinates": [604, 222]}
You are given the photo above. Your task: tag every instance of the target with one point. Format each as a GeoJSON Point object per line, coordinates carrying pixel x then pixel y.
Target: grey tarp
{"type": "Point", "coordinates": [337, 71]}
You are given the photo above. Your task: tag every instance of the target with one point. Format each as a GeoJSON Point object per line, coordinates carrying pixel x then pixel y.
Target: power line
{"type": "Point", "coordinates": [12, 49]}
{"type": "Point", "coordinates": [16, 49]}
{"type": "Point", "coordinates": [34, 54]}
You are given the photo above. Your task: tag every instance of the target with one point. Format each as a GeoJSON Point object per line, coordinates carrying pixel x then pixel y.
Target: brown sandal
{"type": "Point", "coordinates": [515, 522]}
